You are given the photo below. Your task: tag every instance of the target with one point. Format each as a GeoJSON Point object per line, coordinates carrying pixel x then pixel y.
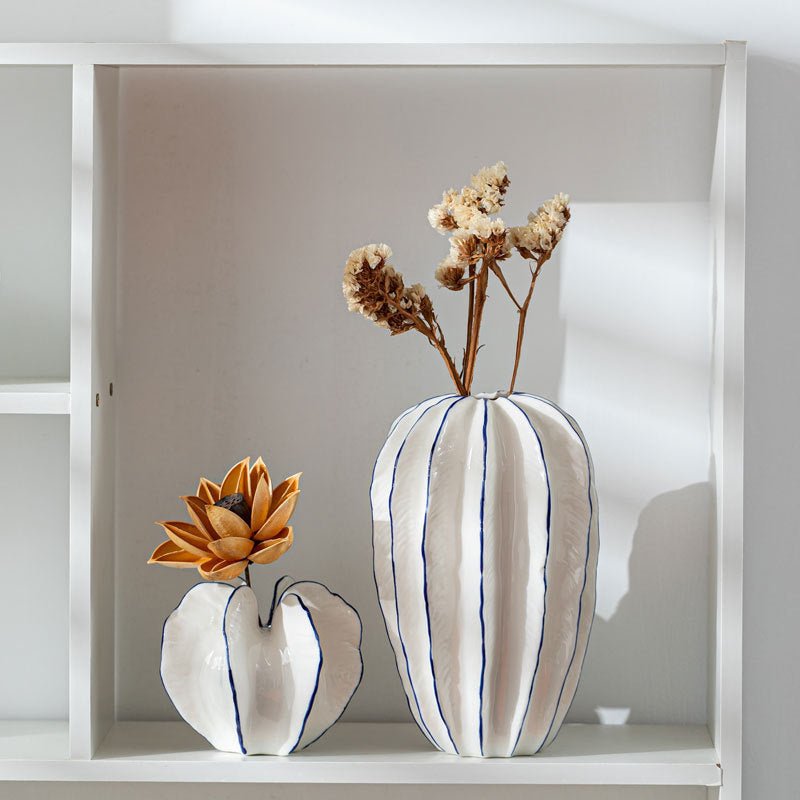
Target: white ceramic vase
{"type": "Point", "coordinates": [486, 540]}
{"type": "Point", "coordinates": [254, 688]}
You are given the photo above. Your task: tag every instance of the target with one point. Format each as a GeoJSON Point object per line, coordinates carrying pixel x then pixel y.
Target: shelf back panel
{"type": "Point", "coordinates": [241, 192]}
{"type": "Point", "coordinates": [34, 495]}
{"type": "Point", "coordinates": [35, 164]}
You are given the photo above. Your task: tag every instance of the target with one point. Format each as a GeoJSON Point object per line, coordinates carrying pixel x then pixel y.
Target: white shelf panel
{"type": "Point", "coordinates": [27, 742]}
{"type": "Point", "coordinates": [35, 398]}
{"type": "Point", "coordinates": [644, 755]}
{"type": "Point", "coordinates": [358, 54]}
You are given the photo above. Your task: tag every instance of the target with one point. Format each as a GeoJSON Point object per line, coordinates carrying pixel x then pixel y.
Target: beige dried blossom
{"type": "Point", "coordinates": [466, 247]}
{"type": "Point", "coordinates": [450, 272]}
{"type": "Point", "coordinates": [469, 209]}
{"type": "Point", "coordinates": [374, 288]}
{"type": "Point", "coordinates": [491, 184]}
{"type": "Point", "coordinates": [441, 215]}
{"type": "Point", "coordinates": [544, 229]}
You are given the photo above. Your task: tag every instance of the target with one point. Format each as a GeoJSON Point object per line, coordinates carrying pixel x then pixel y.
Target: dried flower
{"type": "Point", "coordinates": [479, 242]}
{"type": "Point", "coordinates": [470, 208]}
{"type": "Point", "coordinates": [491, 184]}
{"type": "Point", "coordinates": [238, 522]}
{"type": "Point", "coordinates": [450, 272]}
{"type": "Point", "coordinates": [544, 229]}
{"type": "Point", "coordinates": [441, 215]}
{"type": "Point", "coordinates": [374, 288]}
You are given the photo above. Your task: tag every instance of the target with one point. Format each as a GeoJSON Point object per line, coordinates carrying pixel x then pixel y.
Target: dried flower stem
{"type": "Point", "coordinates": [495, 267]}
{"type": "Point", "coordinates": [247, 575]}
{"type": "Point", "coordinates": [470, 313]}
{"type": "Point", "coordinates": [522, 310]}
{"type": "Point", "coordinates": [477, 317]}
{"type": "Point", "coordinates": [434, 334]}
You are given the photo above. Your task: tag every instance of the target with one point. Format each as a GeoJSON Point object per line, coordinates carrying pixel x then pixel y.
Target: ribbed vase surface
{"type": "Point", "coordinates": [486, 540]}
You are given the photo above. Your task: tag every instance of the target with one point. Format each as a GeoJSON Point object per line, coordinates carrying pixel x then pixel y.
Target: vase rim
{"type": "Point", "coordinates": [490, 395]}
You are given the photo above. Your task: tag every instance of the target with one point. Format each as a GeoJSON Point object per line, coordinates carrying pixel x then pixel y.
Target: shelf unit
{"type": "Point", "coordinates": [93, 745]}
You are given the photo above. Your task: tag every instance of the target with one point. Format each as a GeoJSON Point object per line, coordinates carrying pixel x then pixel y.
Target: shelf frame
{"type": "Point", "coordinates": [95, 73]}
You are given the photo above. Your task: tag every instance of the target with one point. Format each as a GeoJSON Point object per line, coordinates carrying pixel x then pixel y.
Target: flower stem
{"type": "Point", "coordinates": [247, 576]}
{"type": "Point", "coordinates": [477, 318]}
{"type": "Point", "coordinates": [522, 310]}
{"type": "Point", "coordinates": [470, 313]}
{"type": "Point", "coordinates": [433, 332]}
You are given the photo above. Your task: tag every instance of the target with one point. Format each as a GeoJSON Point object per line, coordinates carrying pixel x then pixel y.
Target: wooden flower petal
{"type": "Point", "coordinates": [234, 480]}
{"type": "Point", "coordinates": [283, 490]}
{"type": "Point", "coordinates": [270, 551]}
{"type": "Point", "coordinates": [258, 471]}
{"type": "Point", "coordinates": [208, 491]}
{"type": "Point", "coordinates": [197, 511]}
{"type": "Point", "coordinates": [221, 570]}
{"type": "Point", "coordinates": [261, 504]}
{"type": "Point", "coordinates": [186, 537]}
{"type": "Point", "coordinates": [170, 555]}
{"type": "Point", "coordinates": [278, 518]}
{"type": "Point", "coordinates": [231, 548]}
{"type": "Point", "coordinates": [226, 523]}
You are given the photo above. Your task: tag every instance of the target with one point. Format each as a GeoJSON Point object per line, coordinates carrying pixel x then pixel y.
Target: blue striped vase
{"type": "Point", "coordinates": [485, 540]}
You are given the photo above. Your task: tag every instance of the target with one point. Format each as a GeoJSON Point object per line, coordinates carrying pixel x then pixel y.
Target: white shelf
{"type": "Point", "coordinates": [382, 753]}
{"type": "Point", "coordinates": [35, 398]}
{"type": "Point", "coordinates": [114, 107]}
{"type": "Point", "coordinates": [173, 54]}
{"type": "Point", "coordinates": [27, 742]}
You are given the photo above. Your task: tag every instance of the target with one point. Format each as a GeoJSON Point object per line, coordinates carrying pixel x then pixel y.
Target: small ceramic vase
{"type": "Point", "coordinates": [486, 541]}
{"type": "Point", "coordinates": [253, 688]}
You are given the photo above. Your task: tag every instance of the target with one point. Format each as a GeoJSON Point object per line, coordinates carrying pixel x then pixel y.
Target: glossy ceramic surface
{"type": "Point", "coordinates": [270, 688]}
{"type": "Point", "coordinates": [486, 541]}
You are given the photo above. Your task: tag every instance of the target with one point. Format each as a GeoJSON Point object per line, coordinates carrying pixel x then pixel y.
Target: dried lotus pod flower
{"type": "Point", "coordinates": [238, 522]}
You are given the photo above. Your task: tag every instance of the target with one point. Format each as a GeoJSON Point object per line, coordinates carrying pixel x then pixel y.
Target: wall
{"type": "Point", "coordinates": [772, 502]}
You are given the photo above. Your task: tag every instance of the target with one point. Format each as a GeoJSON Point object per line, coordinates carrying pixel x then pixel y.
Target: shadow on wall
{"type": "Point", "coordinates": [629, 673]}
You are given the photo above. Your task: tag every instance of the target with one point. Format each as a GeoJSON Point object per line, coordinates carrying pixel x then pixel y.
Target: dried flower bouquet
{"type": "Point", "coordinates": [479, 242]}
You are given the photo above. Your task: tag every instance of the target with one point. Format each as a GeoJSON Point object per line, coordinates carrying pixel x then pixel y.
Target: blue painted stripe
{"type": "Point", "coordinates": [319, 670]}
{"type": "Point", "coordinates": [544, 574]}
{"type": "Point", "coordinates": [425, 568]}
{"type": "Point", "coordinates": [230, 672]}
{"type": "Point", "coordinates": [483, 623]}
{"type": "Point", "coordinates": [372, 517]}
{"type": "Point", "coordinates": [276, 600]}
{"type": "Point", "coordinates": [574, 427]}
{"type": "Point", "coordinates": [274, 604]}
{"type": "Point", "coordinates": [394, 570]}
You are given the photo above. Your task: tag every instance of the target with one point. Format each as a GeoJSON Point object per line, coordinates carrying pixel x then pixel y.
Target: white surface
{"type": "Point", "coordinates": [370, 54]}
{"type": "Point", "coordinates": [209, 212]}
{"type": "Point", "coordinates": [92, 434]}
{"type": "Point", "coordinates": [485, 543]}
{"type": "Point", "coordinates": [39, 741]}
{"type": "Point", "coordinates": [34, 398]}
{"type": "Point", "coordinates": [33, 593]}
{"type": "Point", "coordinates": [383, 753]}
{"type": "Point", "coordinates": [728, 202]}
{"type": "Point", "coordinates": [34, 223]}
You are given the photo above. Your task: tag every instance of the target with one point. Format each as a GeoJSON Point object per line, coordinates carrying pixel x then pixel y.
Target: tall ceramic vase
{"type": "Point", "coordinates": [486, 540]}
